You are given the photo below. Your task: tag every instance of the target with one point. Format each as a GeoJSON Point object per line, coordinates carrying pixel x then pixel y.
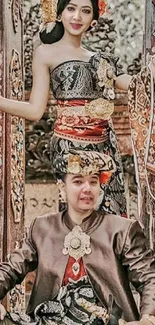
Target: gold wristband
{"type": "Point", "coordinates": [151, 318]}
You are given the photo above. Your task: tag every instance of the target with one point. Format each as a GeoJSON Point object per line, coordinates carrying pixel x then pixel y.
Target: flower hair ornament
{"type": "Point", "coordinates": [102, 7]}
{"type": "Point", "coordinates": [49, 13]}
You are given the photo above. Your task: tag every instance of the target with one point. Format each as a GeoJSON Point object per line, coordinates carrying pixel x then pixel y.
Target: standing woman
{"type": "Point", "coordinates": [83, 85]}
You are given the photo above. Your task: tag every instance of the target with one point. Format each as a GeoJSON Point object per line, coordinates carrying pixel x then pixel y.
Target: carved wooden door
{"type": "Point", "coordinates": [11, 138]}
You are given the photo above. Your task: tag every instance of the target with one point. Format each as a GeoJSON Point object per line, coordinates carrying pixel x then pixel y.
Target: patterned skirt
{"type": "Point", "coordinates": [75, 304]}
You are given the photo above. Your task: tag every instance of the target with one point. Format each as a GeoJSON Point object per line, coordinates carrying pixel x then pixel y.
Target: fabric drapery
{"type": "Point", "coordinates": [142, 120]}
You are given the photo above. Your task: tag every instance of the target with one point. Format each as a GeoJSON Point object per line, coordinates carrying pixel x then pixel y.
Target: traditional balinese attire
{"type": "Point", "coordinates": [82, 272]}
{"type": "Point", "coordinates": [84, 93]}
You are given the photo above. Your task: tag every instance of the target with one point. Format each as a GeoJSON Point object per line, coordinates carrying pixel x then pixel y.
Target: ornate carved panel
{"type": "Point", "coordinates": [16, 7]}
{"type": "Point", "coordinates": [2, 138]}
{"type": "Point", "coordinates": [17, 140]}
{"type": "Point", "coordinates": [1, 70]}
{"type": "Point", "coordinates": [32, 22]}
{"type": "Point", "coordinates": [11, 139]}
{"type": "Point", "coordinates": [1, 115]}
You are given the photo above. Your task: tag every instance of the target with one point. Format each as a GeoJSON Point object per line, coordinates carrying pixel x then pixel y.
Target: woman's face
{"type": "Point", "coordinates": [82, 191]}
{"type": "Point", "coordinates": [77, 16]}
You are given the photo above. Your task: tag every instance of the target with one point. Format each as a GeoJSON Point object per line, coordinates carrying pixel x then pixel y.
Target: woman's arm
{"type": "Point", "coordinates": [122, 82]}
{"type": "Point", "coordinates": [34, 109]}
{"type": "Point", "coordinates": [140, 263]}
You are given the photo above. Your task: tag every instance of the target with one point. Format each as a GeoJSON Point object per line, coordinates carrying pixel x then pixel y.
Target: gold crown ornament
{"type": "Point", "coordinates": [49, 15]}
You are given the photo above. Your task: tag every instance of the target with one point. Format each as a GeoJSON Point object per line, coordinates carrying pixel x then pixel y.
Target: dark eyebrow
{"type": "Point", "coordinates": [80, 176]}
{"type": "Point", "coordinates": [94, 176]}
{"type": "Point", "coordinates": [73, 4]}
{"type": "Point", "coordinates": [77, 176]}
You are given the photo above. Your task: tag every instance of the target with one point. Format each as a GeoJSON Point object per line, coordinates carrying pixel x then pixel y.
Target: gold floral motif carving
{"type": "Point", "coordinates": [17, 140]}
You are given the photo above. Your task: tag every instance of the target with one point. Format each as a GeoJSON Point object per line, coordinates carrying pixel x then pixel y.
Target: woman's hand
{"type": "Point", "coordinates": [2, 312]}
{"type": "Point", "coordinates": [122, 82]}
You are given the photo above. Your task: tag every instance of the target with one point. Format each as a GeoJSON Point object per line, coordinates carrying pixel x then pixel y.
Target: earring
{"type": "Point", "coordinates": [93, 23]}
{"type": "Point", "coordinates": [59, 20]}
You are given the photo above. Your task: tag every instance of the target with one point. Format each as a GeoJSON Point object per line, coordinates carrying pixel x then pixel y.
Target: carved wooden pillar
{"type": "Point", "coordinates": [149, 34]}
{"type": "Point", "coordinates": [149, 48]}
{"type": "Point", "coordinates": [2, 135]}
{"type": "Point", "coordinates": [11, 137]}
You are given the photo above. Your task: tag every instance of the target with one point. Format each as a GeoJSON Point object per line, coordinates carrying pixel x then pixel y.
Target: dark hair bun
{"type": "Point", "coordinates": [54, 36]}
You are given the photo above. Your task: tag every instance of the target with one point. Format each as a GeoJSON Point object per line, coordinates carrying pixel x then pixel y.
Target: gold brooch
{"type": "Point", "coordinates": [76, 245]}
{"type": "Point", "coordinates": [100, 108]}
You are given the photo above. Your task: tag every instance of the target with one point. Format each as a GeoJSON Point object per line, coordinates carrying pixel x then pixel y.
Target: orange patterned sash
{"type": "Point", "coordinates": [83, 120]}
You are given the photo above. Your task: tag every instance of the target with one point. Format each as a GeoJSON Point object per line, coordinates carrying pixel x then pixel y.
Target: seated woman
{"type": "Point", "coordinates": [84, 259]}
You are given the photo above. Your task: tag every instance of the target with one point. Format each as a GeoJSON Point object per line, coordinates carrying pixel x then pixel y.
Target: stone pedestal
{"type": "Point", "coordinates": [40, 198]}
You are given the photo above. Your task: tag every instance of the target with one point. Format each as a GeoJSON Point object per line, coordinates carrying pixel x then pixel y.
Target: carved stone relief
{"type": "Point", "coordinates": [37, 147]}
{"type": "Point", "coordinates": [2, 137]}
{"type": "Point", "coordinates": [17, 140]}
{"type": "Point", "coordinates": [32, 22]}
{"type": "Point", "coordinates": [1, 70]}
{"type": "Point", "coordinates": [16, 7]}
{"type": "Point", "coordinates": [1, 120]}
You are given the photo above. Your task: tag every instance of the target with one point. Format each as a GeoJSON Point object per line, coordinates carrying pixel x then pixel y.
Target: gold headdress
{"type": "Point", "coordinates": [83, 162]}
{"type": "Point", "coordinates": [49, 14]}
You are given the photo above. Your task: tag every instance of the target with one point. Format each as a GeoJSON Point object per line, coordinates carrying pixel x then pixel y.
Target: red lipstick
{"type": "Point", "coordinates": [76, 26]}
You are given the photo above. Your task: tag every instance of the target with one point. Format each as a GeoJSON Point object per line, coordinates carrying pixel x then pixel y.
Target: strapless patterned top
{"type": "Point", "coordinates": [84, 93]}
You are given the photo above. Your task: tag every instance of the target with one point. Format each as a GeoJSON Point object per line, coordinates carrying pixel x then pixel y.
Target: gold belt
{"type": "Point", "coordinates": [98, 108]}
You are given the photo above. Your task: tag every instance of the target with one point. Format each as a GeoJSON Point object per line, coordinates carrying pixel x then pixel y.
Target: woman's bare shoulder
{"type": "Point", "coordinates": [88, 53]}
{"type": "Point", "coordinates": [46, 53]}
